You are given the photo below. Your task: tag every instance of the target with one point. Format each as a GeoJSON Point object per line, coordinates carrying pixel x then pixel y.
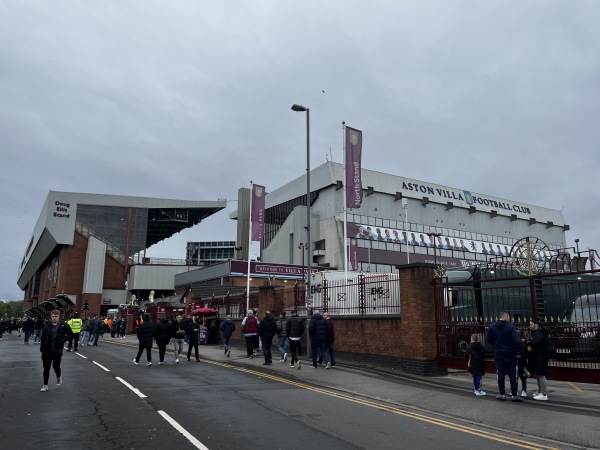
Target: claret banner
{"type": "Point", "coordinates": [354, 191]}
{"type": "Point", "coordinates": [258, 212]}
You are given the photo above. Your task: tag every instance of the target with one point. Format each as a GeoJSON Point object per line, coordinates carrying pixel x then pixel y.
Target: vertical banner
{"type": "Point", "coordinates": [354, 192]}
{"type": "Point", "coordinates": [258, 212]}
{"type": "Point", "coordinates": [353, 256]}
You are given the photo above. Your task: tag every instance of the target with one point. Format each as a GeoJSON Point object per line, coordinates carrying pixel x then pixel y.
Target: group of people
{"type": "Point", "coordinates": [179, 331]}
{"type": "Point", "coordinates": [512, 357]}
{"type": "Point", "coordinates": [289, 331]}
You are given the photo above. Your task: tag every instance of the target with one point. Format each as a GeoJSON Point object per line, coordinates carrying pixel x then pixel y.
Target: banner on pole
{"type": "Point", "coordinates": [353, 256]}
{"type": "Point", "coordinates": [258, 212]}
{"type": "Point", "coordinates": [354, 191]}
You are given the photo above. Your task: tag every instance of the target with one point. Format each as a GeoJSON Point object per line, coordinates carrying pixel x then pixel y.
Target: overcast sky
{"type": "Point", "coordinates": [191, 100]}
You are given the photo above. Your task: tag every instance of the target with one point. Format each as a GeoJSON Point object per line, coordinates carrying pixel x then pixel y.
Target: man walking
{"type": "Point", "coordinates": [28, 325]}
{"type": "Point", "coordinates": [330, 340]}
{"type": "Point", "coordinates": [145, 335]}
{"type": "Point", "coordinates": [37, 330]}
{"type": "Point", "coordinates": [282, 333]}
{"type": "Point", "coordinates": [250, 332]}
{"type": "Point", "coordinates": [503, 336]}
{"type": "Point", "coordinates": [54, 335]}
{"type": "Point", "coordinates": [178, 336]}
{"type": "Point", "coordinates": [294, 329]}
{"type": "Point", "coordinates": [319, 332]}
{"type": "Point", "coordinates": [227, 329]}
{"type": "Point", "coordinates": [75, 323]}
{"type": "Point", "coordinates": [267, 330]}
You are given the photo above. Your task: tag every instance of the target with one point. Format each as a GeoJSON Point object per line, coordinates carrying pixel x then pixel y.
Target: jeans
{"type": "Point", "coordinates": [85, 337]}
{"type": "Point", "coordinates": [28, 333]}
{"type": "Point", "coordinates": [192, 343]}
{"type": "Point", "coordinates": [506, 364]}
{"type": "Point", "coordinates": [281, 346]}
{"type": "Point", "coordinates": [178, 346]}
{"type": "Point", "coordinates": [331, 352]}
{"type": "Point", "coordinates": [266, 346]}
{"type": "Point", "coordinates": [37, 336]}
{"type": "Point", "coordinates": [226, 343]}
{"type": "Point", "coordinates": [162, 349]}
{"type": "Point", "coordinates": [322, 346]}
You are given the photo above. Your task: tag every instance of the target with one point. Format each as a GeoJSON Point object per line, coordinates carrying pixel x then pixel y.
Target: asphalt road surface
{"type": "Point", "coordinates": [106, 402]}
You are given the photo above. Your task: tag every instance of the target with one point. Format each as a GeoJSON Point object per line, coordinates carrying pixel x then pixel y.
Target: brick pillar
{"type": "Point", "coordinates": [417, 341]}
{"type": "Point", "coordinates": [266, 300]}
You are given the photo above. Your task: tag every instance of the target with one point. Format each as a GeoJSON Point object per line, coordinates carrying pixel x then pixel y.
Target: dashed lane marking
{"type": "Point", "coordinates": [136, 391]}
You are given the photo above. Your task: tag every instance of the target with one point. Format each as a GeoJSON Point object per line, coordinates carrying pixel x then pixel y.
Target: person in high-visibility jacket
{"type": "Point", "coordinates": [75, 323]}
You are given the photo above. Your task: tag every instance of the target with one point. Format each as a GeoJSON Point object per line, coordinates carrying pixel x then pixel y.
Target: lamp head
{"type": "Point", "coordinates": [298, 108]}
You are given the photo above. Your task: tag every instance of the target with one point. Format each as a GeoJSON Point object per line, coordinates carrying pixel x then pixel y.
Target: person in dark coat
{"type": "Point", "coordinates": [145, 334]}
{"type": "Point", "coordinates": [227, 329]}
{"type": "Point", "coordinates": [295, 329]}
{"type": "Point", "coordinates": [503, 336]}
{"type": "Point", "coordinates": [318, 330]}
{"type": "Point", "coordinates": [538, 351]}
{"type": "Point", "coordinates": [163, 334]}
{"type": "Point", "coordinates": [193, 334]}
{"type": "Point", "coordinates": [330, 340]}
{"type": "Point", "coordinates": [475, 353]}
{"type": "Point", "coordinates": [54, 335]}
{"type": "Point", "coordinates": [37, 330]}
{"type": "Point", "coordinates": [267, 329]}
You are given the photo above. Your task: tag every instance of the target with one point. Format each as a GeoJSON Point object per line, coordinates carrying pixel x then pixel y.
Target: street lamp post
{"type": "Point", "coordinates": [302, 247]}
{"type": "Point", "coordinates": [300, 108]}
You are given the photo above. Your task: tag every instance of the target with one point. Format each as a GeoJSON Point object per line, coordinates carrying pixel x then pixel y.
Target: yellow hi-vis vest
{"type": "Point", "coordinates": [75, 324]}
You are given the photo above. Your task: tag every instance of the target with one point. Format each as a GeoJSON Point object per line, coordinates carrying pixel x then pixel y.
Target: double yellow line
{"type": "Point", "coordinates": [395, 410]}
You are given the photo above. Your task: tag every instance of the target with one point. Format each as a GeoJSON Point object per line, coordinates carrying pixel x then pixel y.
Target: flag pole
{"type": "Point", "coordinates": [345, 208]}
{"type": "Point", "coordinates": [249, 245]}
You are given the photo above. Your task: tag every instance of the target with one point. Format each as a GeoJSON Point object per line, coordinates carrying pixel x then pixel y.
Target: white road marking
{"type": "Point", "coordinates": [80, 355]}
{"type": "Point", "coordinates": [135, 390]}
{"type": "Point", "coordinates": [101, 366]}
{"type": "Point", "coordinates": [183, 431]}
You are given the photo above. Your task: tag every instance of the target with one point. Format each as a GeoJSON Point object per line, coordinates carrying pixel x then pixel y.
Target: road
{"type": "Point", "coordinates": [107, 402]}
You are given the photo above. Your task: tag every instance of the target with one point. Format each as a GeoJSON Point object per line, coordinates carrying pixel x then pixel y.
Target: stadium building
{"type": "Point", "coordinates": [89, 249]}
{"type": "Point", "coordinates": [400, 221]}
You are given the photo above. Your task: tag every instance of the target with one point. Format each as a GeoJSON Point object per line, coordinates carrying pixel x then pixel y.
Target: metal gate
{"type": "Point", "coordinates": [469, 300]}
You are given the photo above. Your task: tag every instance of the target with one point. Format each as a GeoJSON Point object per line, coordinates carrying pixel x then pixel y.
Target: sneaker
{"type": "Point", "coordinates": [188, 359]}
{"type": "Point", "coordinates": [299, 365]}
{"type": "Point", "coordinates": [516, 398]}
{"type": "Point", "coordinates": [313, 367]}
{"type": "Point", "coordinates": [44, 388]}
{"type": "Point", "coordinates": [541, 397]}
{"type": "Point", "coordinates": [328, 366]}
{"type": "Point", "coordinates": [197, 359]}
{"type": "Point", "coordinates": [149, 364]}
{"type": "Point", "coordinates": [479, 393]}
{"type": "Point", "coordinates": [225, 352]}
{"type": "Point", "coordinates": [536, 393]}
{"type": "Point", "coordinates": [285, 357]}
{"type": "Point", "coordinates": [135, 362]}
{"type": "Point", "coordinates": [500, 397]}
{"type": "Point", "coordinates": [291, 365]}
{"type": "Point", "coordinates": [523, 393]}
{"type": "Point", "coordinates": [281, 360]}
{"type": "Point", "coordinates": [177, 360]}
{"type": "Point", "coordinates": [59, 381]}
{"type": "Point", "coordinates": [160, 363]}
{"type": "Point", "coordinates": [228, 353]}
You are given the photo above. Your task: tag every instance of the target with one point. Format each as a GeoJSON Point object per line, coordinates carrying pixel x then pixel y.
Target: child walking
{"type": "Point", "coordinates": [475, 353]}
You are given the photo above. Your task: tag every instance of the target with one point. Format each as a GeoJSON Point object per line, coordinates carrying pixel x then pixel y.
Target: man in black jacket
{"type": "Point", "coordinates": [54, 336]}
{"type": "Point", "coordinates": [538, 351]}
{"type": "Point", "coordinates": [318, 330]}
{"type": "Point", "coordinates": [267, 329]}
{"type": "Point", "coordinates": [163, 333]}
{"type": "Point", "coordinates": [295, 329]}
{"type": "Point", "coordinates": [145, 335]}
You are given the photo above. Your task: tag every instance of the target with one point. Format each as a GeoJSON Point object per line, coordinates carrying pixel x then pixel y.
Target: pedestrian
{"type": "Point", "coordinates": [250, 332]}
{"type": "Point", "coordinates": [28, 325]}
{"type": "Point", "coordinates": [227, 329]}
{"type": "Point", "coordinates": [75, 323]}
{"type": "Point", "coordinates": [113, 327]}
{"type": "Point", "coordinates": [267, 329]}
{"type": "Point", "coordinates": [193, 334]}
{"type": "Point", "coordinates": [538, 350]}
{"type": "Point", "coordinates": [522, 372]}
{"type": "Point", "coordinates": [54, 335]}
{"type": "Point", "coordinates": [295, 329]}
{"type": "Point", "coordinates": [145, 335]}
{"type": "Point", "coordinates": [318, 332]}
{"type": "Point", "coordinates": [475, 353]}
{"type": "Point", "coordinates": [90, 327]}
{"type": "Point", "coordinates": [186, 321]}
{"type": "Point", "coordinates": [163, 335]}
{"type": "Point", "coordinates": [122, 326]}
{"type": "Point", "coordinates": [503, 336]}
{"type": "Point", "coordinates": [178, 336]}
{"type": "Point", "coordinates": [282, 334]}
{"type": "Point", "coordinates": [98, 329]}
{"type": "Point", "coordinates": [37, 330]}
{"type": "Point", "coordinates": [330, 340]}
